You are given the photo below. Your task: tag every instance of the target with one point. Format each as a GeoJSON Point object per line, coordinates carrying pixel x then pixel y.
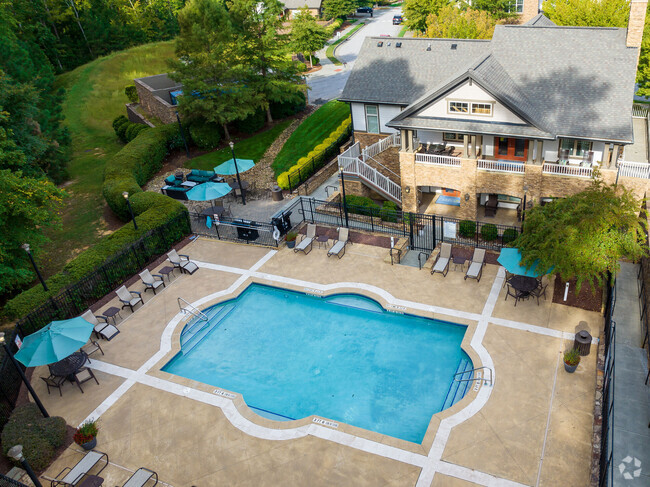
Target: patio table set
{"type": "Point", "coordinates": [522, 282]}
{"type": "Point", "coordinates": [438, 149]}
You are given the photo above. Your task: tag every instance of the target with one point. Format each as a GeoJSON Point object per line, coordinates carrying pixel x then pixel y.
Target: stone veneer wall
{"type": "Point", "coordinates": [531, 8]}
{"type": "Point", "coordinates": [366, 139]}
{"type": "Point", "coordinates": [154, 105]}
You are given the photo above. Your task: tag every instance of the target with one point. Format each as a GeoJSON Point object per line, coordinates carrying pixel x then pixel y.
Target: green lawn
{"type": "Point", "coordinates": [251, 148]}
{"type": "Point", "coordinates": [313, 131]}
{"type": "Point", "coordinates": [95, 96]}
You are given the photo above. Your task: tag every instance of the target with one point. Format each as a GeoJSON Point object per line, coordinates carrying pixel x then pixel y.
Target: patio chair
{"type": "Point", "coordinates": [140, 477]}
{"type": "Point", "coordinates": [54, 381]}
{"type": "Point", "coordinates": [82, 375]}
{"type": "Point", "coordinates": [103, 329]}
{"type": "Point", "coordinates": [307, 241]}
{"type": "Point", "coordinates": [475, 269]}
{"type": "Point", "coordinates": [182, 262]}
{"type": "Point", "coordinates": [129, 298]}
{"type": "Point", "coordinates": [538, 292]}
{"type": "Point", "coordinates": [91, 347]}
{"type": "Point", "coordinates": [442, 261]}
{"type": "Point", "coordinates": [74, 475]}
{"type": "Point", "coordinates": [514, 293]}
{"type": "Point", "coordinates": [338, 248]}
{"type": "Point", "coordinates": [151, 281]}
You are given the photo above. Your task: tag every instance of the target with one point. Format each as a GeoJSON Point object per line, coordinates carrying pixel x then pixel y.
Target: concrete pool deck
{"type": "Point", "coordinates": [533, 427]}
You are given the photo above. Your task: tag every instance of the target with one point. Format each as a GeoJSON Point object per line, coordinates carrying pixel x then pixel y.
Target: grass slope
{"type": "Point", "coordinates": [316, 128]}
{"type": "Point", "coordinates": [250, 148]}
{"type": "Point", "coordinates": [95, 96]}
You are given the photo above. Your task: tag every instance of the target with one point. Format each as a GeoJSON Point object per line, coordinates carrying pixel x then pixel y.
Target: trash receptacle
{"type": "Point", "coordinates": [276, 193]}
{"type": "Point", "coordinates": [582, 342]}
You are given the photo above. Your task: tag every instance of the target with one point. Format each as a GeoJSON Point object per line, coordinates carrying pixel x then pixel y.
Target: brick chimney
{"type": "Point", "coordinates": [636, 23]}
{"type": "Point", "coordinates": [531, 8]}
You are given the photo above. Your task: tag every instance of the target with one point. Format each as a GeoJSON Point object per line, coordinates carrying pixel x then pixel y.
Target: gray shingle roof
{"type": "Point", "coordinates": [296, 4]}
{"type": "Point", "coordinates": [541, 20]}
{"type": "Point", "coordinates": [567, 81]}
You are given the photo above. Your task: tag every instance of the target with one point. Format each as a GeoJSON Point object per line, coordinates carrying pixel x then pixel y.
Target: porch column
{"type": "Point", "coordinates": [465, 144]}
{"type": "Point", "coordinates": [540, 155]}
{"type": "Point", "coordinates": [479, 146]}
{"type": "Point", "coordinates": [402, 134]}
{"type": "Point", "coordinates": [606, 155]}
{"type": "Point", "coordinates": [614, 160]}
{"type": "Point", "coordinates": [472, 147]}
{"type": "Point", "coordinates": [529, 158]}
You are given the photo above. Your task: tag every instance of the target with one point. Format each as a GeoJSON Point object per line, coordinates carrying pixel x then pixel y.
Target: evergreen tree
{"type": "Point", "coordinates": [307, 35]}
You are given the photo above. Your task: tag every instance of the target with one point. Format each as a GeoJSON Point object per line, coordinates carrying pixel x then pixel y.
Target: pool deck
{"type": "Point", "coordinates": [532, 427]}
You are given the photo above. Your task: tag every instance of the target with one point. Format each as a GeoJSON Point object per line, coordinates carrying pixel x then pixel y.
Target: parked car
{"type": "Point", "coordinates": [365, 10]}
{"type": "Point", "coordinates": [397, 19]}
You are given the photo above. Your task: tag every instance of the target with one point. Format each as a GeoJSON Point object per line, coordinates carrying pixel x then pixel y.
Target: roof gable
{"type": "Point", "coordinates": [541, 20]}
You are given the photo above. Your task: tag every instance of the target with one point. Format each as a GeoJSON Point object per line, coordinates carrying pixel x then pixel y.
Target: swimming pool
{"type": "Point", "coordinates": [342, 357]}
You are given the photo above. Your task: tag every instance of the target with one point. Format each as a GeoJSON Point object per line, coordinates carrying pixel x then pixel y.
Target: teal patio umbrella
{"type": "Point", "coordinates": [54, 342]}
{"type": "Point", "coordinates": [208, 191]}
{"type": "Point", "coordinates": [511, 260]}
{"type": "Point", "coordinates": [228, 168]}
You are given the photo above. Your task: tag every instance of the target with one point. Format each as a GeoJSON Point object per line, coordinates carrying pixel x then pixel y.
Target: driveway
{"type": "Point", "coordinates": [328, 83]}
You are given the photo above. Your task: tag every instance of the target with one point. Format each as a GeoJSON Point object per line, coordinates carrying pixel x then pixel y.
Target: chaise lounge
{"type": "Point", "coordinates": [74, 475]}
{"type": "Point", "coordinates": [442, 261]}
{"type": "Point", "coordinates": [308, 240]}
{"type": "Point", "coordinates": [338, 248]}
{"type": "Point", "coordinates": [475, 269]}
{"type": "Point", "coordinates": [140, 478]}
{"type": "Point", "coordinates": [182, 262]}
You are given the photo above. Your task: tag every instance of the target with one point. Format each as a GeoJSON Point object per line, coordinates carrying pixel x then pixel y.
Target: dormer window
{"type": "Point", "coordinates": [467, 107]}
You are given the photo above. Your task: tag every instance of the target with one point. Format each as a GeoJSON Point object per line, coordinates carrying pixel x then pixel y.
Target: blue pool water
{"type": "Point", "coordinates": [342, 357]}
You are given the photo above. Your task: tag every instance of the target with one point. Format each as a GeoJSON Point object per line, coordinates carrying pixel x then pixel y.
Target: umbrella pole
{"type": "Point", "coordinates": [232, 149]}
{"type": "Point", "coordinates": [24, 378]}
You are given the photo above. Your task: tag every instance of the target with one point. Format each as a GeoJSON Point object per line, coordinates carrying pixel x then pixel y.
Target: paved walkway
{"type": "Point", "coordinates": [631, 395]}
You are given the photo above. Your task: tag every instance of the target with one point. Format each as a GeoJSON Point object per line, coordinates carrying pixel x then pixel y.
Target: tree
{"type": "Point", "coordinates": [307, 35]}
{"type": "Point", "coordinates": [417, 11]}
{"type": "Point", "coordinates": [451, 22]}
{"type": "Point", "coordinates": [643, 73]}
{"type": "Point", "coordinates": [592, 13]}
{"type": "Point", "coordinates": [333, 9]}
{"type": "Point", "coordinates": [501, 9]}
{"type": "Point", "coordinates": [263, 51]}
{"type": "Point", "coordinates": [585, 235]}
{"type": "Point", "coordinates": [213, 84]}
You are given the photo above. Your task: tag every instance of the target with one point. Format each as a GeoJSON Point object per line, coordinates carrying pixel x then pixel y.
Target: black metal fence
{"type": "Point", "coordinates": [423, 230]}
{"type": "Point", "coordinates": [235, 230]}
{"type": "Point", "coordinates": [606, 470]}
{"type": "Point", "coordinates": [8, 482]}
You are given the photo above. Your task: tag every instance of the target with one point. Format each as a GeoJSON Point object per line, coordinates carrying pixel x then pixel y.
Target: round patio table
{"type": "Point", "coordinates": [235, 185]}
{"type": "Point", "coordinates": [69, 365]}
{"type": "Point", "coordinates": [523, 284]}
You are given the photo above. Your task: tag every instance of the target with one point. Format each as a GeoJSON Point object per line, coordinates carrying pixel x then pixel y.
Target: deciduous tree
{"type": "Point", "coordinates": [585, 235]}
{"type": "Point", "coordinates": [417, 11]}
{"type": "Point", "coordinates": [592, 13]}
{"type": "Point", "coordinates": [307, 35]}
{"type": "Point", "coordinates": [452, 22]}
{"type": "Point", "coordinates": [333, 9]}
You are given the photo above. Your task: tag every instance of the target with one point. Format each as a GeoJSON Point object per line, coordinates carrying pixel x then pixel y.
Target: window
{"type": "Point", "coordinates": [458, 107]}
{"type": "Point", "coordinates": [452, 137]}
{"type": "Point", "coordinates": [503, 146]}
{"type": "Point", "coordinates": [520, 147]}
{"type": "Point", "coordinates": [482, 108]}
{"type": "Point", "coordinates": [575, 147]}
{"type": "Point", "coordinates": [372, 119]}
{"type": "Point", "coordinates": [516, 6]}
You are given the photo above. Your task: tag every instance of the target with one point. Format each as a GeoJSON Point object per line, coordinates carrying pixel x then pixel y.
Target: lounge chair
{"type": "Point", "coordinates": [338, 248]}
{"type": "Point", "coordinates": [103, 329]}
{"type": "Point", "coordinates": [74, 475]}
{"type": "Point", "coordinates": [151, 281]}
{"type": "Point", "coordinates": [54, 381]}
{"type": "Point", "coordinates": [129, 298]}
{"type": "Point", "coordinates": [442, 261]}
{"type": "Point", "coordinates": [182, 262]}
{"type": "Point", "coordinates": [140, 478]}
{"type": "Point", "coordinates": [475, 269]}
{"type": "Point", "coordinates": [307, 241]}
{"type": "Point", "coordinates": [91, 347]}
{"type": "Point", "coordinates": [82, 375]}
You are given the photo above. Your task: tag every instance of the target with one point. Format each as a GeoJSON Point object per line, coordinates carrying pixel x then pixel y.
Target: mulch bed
{"type": "Point", "coordinates": [588, 298]}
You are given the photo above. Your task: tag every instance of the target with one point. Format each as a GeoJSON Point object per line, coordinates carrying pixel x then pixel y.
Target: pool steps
{"type": "Point", "coordinates": [191, 336]}
{"type": "Point", "coordinates": [458, 389]}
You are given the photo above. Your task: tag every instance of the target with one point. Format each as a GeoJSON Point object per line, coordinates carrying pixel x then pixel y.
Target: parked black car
{"type": "Point", "coordinates": [397, 19]}
{"type": "Point", "coordinates": [365, 10]}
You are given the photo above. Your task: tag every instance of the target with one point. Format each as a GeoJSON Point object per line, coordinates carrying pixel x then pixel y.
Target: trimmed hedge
{"type": "Point", "coordinates": [489, 232]}
{"type": "Point", "coordinates": [127, 130]}
{"type": "Point", "coordinates": [39, 436]}
{"type": "Point", "coordinates": [467, 229]}
{"type": "Point", "coordinates": [509, 235]}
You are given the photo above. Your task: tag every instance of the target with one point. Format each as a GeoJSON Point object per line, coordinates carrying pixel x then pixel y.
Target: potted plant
{"type": "Point", "coordinates": [571, 360]}
{"type": "Point", "coordinates": [86, 435]}
{"type": "Point", "coordinates": [291, 239]}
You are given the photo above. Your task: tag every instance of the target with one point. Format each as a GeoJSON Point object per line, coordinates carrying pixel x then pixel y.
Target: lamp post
{"type": "Point", "coordinates": [523, 210]}
{"type": "Point", "coordinates": [345, 204]}
{"type": "Point", "coordinates": [180, 129]}
{"type": "Point", "coordinates": [232, 150]}
{"type": "Point", "coordinates": [25, 247]}
{"type": "Point", "coordinates": [128, 203]}
{"type": "Point", "coordinates": [22, 375]}
{"type": "Point", "coordinates": [16, 452]}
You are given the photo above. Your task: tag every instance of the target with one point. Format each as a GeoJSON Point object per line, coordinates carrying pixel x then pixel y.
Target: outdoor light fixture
{"type": "Point", "coordinates": [180, 129]}
{"type": "Point", "coordinates": [16, 452]}
{"type": "Point", "coordinates": [232, 150]}
{"type": "Point", "coordinates": [523, 209]}
{"type": "Point", "coordinates": [128, 203]}
{"type": "Point", "coordinates": [407, 189]}
{"type": "Point", "coordinates": [466, 196]}
{"type": "Point", "coordinates": [345, 203]}
{"type": "Point", "coordinates": [22, 375]}
{"type": "Point", "coordinates": [26, 248]}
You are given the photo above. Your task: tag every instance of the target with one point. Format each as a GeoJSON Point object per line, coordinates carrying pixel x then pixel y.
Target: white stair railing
{"type": "Point", "coordinates": [356, 167]}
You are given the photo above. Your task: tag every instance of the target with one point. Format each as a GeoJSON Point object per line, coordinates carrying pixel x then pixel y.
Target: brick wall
{"type": "Point", "coordinates": [531, 8]}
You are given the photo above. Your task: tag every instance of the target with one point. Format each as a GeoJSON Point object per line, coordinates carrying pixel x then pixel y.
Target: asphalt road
{"type": "Point", "coordinates": [328, 83]}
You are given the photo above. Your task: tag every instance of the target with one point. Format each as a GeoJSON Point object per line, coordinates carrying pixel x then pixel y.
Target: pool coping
{"type": "Point", "coordinates": [459, 412]}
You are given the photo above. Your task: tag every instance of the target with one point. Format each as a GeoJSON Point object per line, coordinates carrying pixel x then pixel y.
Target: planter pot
{"type": "Point", "coordinates": [570, 368]}
{"type": "Point", "coordinates": [291, 243]}
{"type": "Point", "coordinates": [90, 445]}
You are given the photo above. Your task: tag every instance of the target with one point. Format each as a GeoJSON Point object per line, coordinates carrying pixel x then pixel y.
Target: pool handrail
{"type": "Point", "coordinates": [191, 309]}
{"type": "Point", "coordinates": [485, 379]}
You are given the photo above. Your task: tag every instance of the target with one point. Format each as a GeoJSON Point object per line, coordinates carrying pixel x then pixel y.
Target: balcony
{"type": "Point", "coordinates": [511, 167]}
{"type": "Point", "coordinates": [567, 170]}
{"type": "Point", "coordinates": [437, 160]}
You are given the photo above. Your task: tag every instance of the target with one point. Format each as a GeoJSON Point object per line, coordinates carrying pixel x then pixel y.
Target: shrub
{"type": "Point", "coordinates": [509, 235]}
{"type": "Point", "coordinates": [280, 110]}
{"type": "Point", "coordinates": [361, 205]}
{"type": "Point", "coordinates": [389, 211]}
{"type": "Point", "coordinates": [252, 123]}
{"type": "Point", "coordinates": [205, 135]}
{"type": "Point", "coordinates": [133, 130]}
{"type": "Point", "coordinates": [467, 229]}
{"type": "Point", "coordinates": [489, 232]}
{"type": "Point", "coordinates": [132, 94]}
{"type": "Point", "coordinates": [39, 436]}
{"type": "Point", "coordinates": [120, 125]}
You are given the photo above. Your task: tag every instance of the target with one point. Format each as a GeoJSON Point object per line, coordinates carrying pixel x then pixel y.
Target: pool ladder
{"type": "Point", "coordinates": [188, 308]}
{"type": "Point", "coordinates": [472, 378]}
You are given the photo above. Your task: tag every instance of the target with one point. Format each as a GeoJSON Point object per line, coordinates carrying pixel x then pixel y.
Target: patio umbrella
{"type": "Point", "coordinates": [511, 260]}
{"type": "Point", "coordinates": [228, 168]}
{"type": "Point", "coordinates": [208, 191]}
{"type": "Point", "coordinates": [54, 342]}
